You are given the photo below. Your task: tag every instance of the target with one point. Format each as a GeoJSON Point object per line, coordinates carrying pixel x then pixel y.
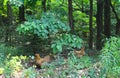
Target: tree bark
{"type": "Point", "coordinates": [9, 23]}
{"type": "Point", "coordinates": [90, 25]}
{"type": "Point", "coordinates": [9, 13]}
{"type": "Point", "coordinates": [99, 20]}
{"type": "Point", "coordinates": [1, 21]}
{"type": "Point", "coordinates": [70, 13]}
{"type": "Point", "coordinates": [48, 5]}
{"type": "Point", "coordinates": [82, 6]}
{"type": "Point", "coordinates": [118, 20]}
{"type": "Point", "coordinates": [21, 13]}
{"type": "Point", "coordinates": [107, 22]}
{"type": "Point", "coordinates": [44, 5]}
{"type": "Point", "coordinates": [118, 27]}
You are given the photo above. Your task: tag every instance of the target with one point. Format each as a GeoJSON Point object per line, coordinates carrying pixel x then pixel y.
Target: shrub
{"type": "Point", "coordinates": [67, 41]}
{"type": "Point", "coordinates": [110, 58]}
{"type": "Point", "coordinates": [9, 62]}
{"type": "Point", "coordinates": [13, 64]}
{"type": "Point", "coordinates": [61, 68]}
{"type": "Point", "coordinates": [43, 28]}
{"type": "Point", "coordinates": [1, 70]}
{"type": "Point", "coordinates": [79, 63]}
{"type": "Point", "coordinates": [29, 73]}
{"type": "Point", "coordinates": [6, 51]}
{"type": "Point", "coordinates": [50, 31]}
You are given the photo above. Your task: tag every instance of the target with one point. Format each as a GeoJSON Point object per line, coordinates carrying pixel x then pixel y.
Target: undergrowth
{"type": "Point", "coordinates": [110, 58]}
{"type": "Point", "coordinates": [107, 67]}
{"type": "Point", "coordinates": [67, 68]}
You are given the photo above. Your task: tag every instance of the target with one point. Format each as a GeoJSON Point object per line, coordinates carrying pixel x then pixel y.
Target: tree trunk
{"type": "Point", "coordinates": [82, 6]}
{"type": "Point", "coordinates": [21, 13]}
{"type": "Point", "coordinates": [118, 20]}
{"type": "Point", "coordinates": [48, 5]}
{"type": "Point", "coordinates": [107, 22]}
{"type": "Point", "coordinates": [9, 22]}
{"type": "Point", "coordinates": [70, 9]}
{"type": "Point", "coordinates": [1, 5]}
{"type": "Point", "coordinates": [1, 22]}
{"type": "Point", "coordinates": [118, 27]}
{"type": "Point", "coordinates": [91, 28]}
{"type": "Point", "coordinates": [99, 20]}
{"type": "Point", "coordinates": [9, 13]}
{"type": "Point", "coordinates": [44, 5]}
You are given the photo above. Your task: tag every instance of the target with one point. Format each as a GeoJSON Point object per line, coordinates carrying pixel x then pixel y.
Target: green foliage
{"type": "Point", "coordinates": [79, 63]}
{"type": "Point", "coordinates": [29, 73]}
{"type": "Point", "coordinates": [13, 64]}
{"type": "Point", "coordinates": [110, 58]}
{"type": "Point", "coordinates": [1, 70]}
{"type": "Point", "coordinates": [30, 3]}
{"type": "Point", "coordinates": [9, 63]}
{"type": "Point", "coordinates": [92, 73]}
{"type": "Point", "coordinates": [16, 2]}
{"type": "Point", "coordinates": [49, 70]}
{"type": "Point", "coordinates": [61, 68]}
{"type": "Point", "coordinates": [66, 40]}
{"type": "Point", "coordinates": [6, 51]}
{"type": "Point", "coordinates": [48, 25]}
{"type": "Point", "coordinates": [5, 2]}
{"type": "Point", "coordinates": [82, 21]}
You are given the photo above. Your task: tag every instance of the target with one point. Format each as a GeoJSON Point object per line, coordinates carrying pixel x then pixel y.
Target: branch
{"type": "Point", "coordinates": [117, 18]}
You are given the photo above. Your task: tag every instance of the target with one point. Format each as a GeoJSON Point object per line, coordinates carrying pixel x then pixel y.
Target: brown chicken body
{"type": "Point", "coordinates": [79, 53]}
{"type": "Point", "coordinates": [39, 61]}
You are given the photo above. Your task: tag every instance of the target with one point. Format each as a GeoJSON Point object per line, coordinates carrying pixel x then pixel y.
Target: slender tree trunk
{"type": "Point", "coordinates": [70, 9]}
{"type": "Point", "coordinates": [9, 18]}
{"type": "Point", "coordinates": [1, 4]}
{"type": "Point", "coordinates": [107, 22]}
{"type": "Point", "coordinates": [118, 20]}
{"type": "Point", "coordinates": [1, 8]}
{"type": "Point", "coordinates": [82, 6]}
{"type": "Point", "coordinates": [99, 20]}
{"type": "Point", "coordinates": [44, 5]}
{"type": "Point", "coordinates": [1, 23]}
{"type": "Point", "coordinates": [90, 27]}
{"type": "Point", "coordinates": [48, 5]}
{"type": "Point", "coordinates": [21, 13]}
{"type": "Point", "coordinates": [9, 13]}
{"type": "Point", "coordinates": [118, 27]}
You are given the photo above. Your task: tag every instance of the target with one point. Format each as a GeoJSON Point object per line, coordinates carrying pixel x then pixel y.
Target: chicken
{"type": "Point", "coordinates": [79, 53]}
{"type": "Point", "coordinates": [39, 61]}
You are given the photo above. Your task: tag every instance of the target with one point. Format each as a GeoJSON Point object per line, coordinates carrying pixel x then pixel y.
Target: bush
{"type": "Point", "coordinates": [29, 73]}
{"type": "Point", "coordinates": [79, 63]}
{"type": "Point", "coordinates": [61, 68]}
{"type": "Point", "coordinates": [13, 64]}
{"type": "Point", "coordinates": [1, 70]}
{"type": "Point", "coordinates": [67, 41]}
{"type": "Point", "coordinates": [6, 51]}
{"type": "Point", "coordinates": [9, 62]}
{"type": "Point", "coordinates": [110, 58]}
{"type": "Point", "coordinates": [45, 27]}
{"type": "Point", "coordinates": [51, 32]}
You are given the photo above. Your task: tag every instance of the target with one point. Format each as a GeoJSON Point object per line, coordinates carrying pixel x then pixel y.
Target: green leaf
{"type": "Point", "coordinates": [5, 2]}
{"type": "Point", "coordinates": [59, 47]}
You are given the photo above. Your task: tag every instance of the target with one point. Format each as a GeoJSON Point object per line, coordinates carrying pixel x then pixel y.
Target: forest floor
{"type": "Point", "coordinates": [60, 67]}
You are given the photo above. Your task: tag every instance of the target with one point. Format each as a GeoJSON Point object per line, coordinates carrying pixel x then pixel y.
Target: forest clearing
{"type": "Point", "coordinates": [59, 39]}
